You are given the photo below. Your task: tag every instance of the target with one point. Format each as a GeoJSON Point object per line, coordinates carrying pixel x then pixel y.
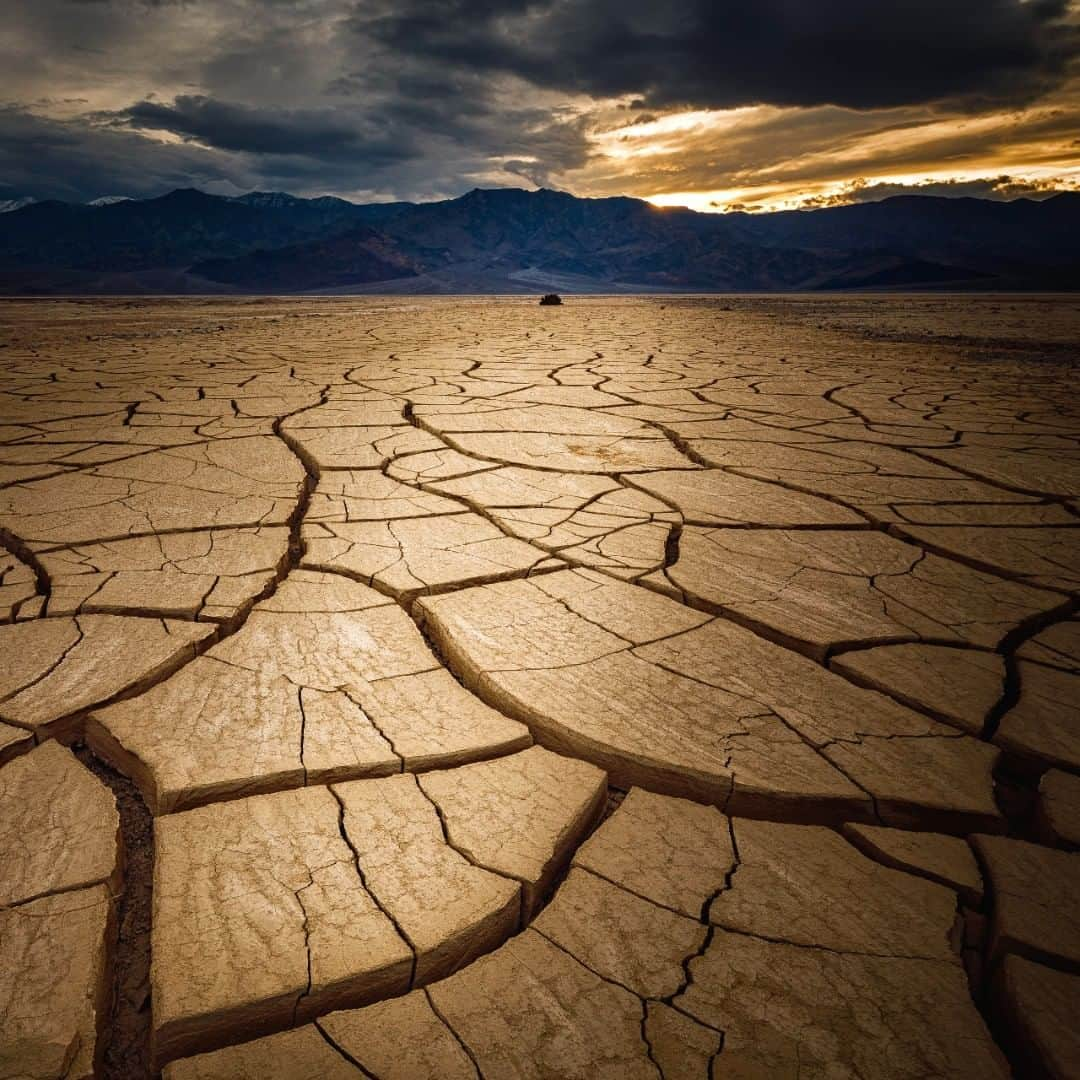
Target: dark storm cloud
{"type": "Point", "coordinates": [426, 98]}
{"type": "Point", "coordinates": [53, 159]}
{"type": "Point", "coordinates": [228, 148]}
{"type": "Point", "coordinates": [722, 53]}
{"type": "Point", "coordinates": [328, 133]}
{"type": "Point", "coordinates": [428, 124]}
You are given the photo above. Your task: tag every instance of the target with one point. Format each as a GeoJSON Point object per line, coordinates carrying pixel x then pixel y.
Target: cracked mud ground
{"type": "Point", "coordinates": [423, 689]}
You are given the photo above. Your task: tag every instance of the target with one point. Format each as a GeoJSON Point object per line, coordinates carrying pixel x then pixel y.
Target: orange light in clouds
{"type": "Point", "coordinates": [793, 197]}
{"type": "Point", "coordinates": [660, 135]}
{"type": "Point", "coordinates": [767, 158]}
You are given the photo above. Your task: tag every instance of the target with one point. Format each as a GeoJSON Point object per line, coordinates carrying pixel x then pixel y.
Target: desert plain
{"type": "Point", "coordinates": [435, 688]}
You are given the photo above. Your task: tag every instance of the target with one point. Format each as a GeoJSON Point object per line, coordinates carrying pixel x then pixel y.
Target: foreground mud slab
{"type": "Point", "coordinates": [664, 689]}
{"type": "Point", "coordinates": [59, 846]}
{"type": "Point", "coordinates": [610, 981]}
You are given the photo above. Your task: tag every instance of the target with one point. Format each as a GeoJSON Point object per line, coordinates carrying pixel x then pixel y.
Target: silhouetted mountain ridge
{"type": "Point", "coordinates": [521, 241]}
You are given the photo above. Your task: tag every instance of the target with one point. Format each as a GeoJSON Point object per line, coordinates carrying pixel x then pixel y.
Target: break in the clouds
{"type": "Point", "coordinates": [713, 104]}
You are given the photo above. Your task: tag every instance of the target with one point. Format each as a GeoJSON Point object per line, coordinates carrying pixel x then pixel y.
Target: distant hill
{"type": "Point", "coordinates": [508, 240]}
{"type": "Point", "coordinates": [173, 231]}
{"type": "Point", "coordinates": [1019, 237]}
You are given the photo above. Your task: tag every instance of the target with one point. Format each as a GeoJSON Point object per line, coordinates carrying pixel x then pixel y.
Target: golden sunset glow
{"type": "Point", "coordinates": [765, 158]}
{"type": "Point", "coordinates": [801, 196]}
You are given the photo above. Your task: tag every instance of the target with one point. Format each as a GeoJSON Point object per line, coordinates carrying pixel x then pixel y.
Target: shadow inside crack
{"type": "Point", "coordinates": [127, 1031]}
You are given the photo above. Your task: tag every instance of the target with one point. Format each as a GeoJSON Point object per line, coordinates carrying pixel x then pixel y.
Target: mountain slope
{"type": "Point", "coordinates": [512, 240]}
{"type": "Point", "coordinates": [355, 257]}
{"type": "Point", "coordinates": [169, 232]}
{"type": "Point", "coordinates": [1008, 234]}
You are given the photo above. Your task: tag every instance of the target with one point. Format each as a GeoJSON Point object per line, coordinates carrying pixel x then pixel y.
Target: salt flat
{"type": "Point", "coordinates": [640, 687]}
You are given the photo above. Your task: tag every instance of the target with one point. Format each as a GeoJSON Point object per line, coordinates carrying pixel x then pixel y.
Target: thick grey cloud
{"type": "Point", "coordinates": [325, 133]}
{"type": "Point", "coordinates": [723, 53]}
{"type": "Point", "coordinates": [76, 161]}
{"type": "Point", "coordinates": [426, 98]}
{"type": "Point", "coordinates": [251, 93]}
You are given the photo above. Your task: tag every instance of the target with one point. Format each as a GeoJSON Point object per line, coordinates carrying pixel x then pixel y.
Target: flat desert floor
{"type": "Point", "coordinates": [459, 688]}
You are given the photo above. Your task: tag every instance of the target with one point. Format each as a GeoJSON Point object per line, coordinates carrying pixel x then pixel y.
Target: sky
{"type": "Point", "coordinates": [713, 104]}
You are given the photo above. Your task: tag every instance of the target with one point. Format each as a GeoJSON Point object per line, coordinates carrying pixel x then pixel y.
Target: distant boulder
{"type": "Point", "coordinates": [550, 298]}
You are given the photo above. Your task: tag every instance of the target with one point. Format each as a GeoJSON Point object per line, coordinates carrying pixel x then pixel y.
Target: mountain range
{"type": "Point", "coordinates": [513, 241]}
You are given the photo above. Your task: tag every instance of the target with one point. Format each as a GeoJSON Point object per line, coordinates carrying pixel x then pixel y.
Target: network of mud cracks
{"type": "Point", "coordinates": [631, 689]}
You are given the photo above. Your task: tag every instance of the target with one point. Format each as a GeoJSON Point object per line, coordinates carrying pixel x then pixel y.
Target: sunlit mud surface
{"type": "Point", "coordinates": [422, 689]}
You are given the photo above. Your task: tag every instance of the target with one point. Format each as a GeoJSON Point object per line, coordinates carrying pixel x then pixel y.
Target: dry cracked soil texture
{"type": "Point", "coordinates": [411, 689]}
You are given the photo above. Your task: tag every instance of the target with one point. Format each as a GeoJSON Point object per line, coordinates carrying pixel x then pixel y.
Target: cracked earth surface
{"type": "Point", "coordinates": [424, 689]}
